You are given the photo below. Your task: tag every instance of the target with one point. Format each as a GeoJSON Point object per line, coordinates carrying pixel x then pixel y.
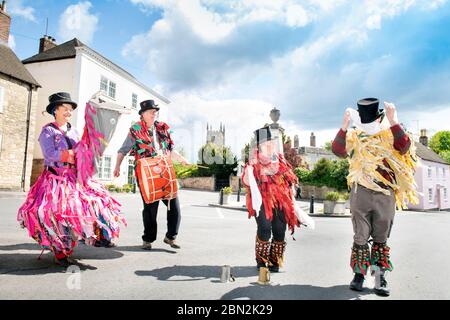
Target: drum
{"type": "Point", "coordinates": [157, 179]}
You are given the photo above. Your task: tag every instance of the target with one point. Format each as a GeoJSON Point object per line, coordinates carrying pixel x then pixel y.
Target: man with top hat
{"type": "Point", "coordinates": [270, 182]}
{"type": "Point", "coordinates": [150, 138]}
{"type": "Point", "coordinates": [381, 176]}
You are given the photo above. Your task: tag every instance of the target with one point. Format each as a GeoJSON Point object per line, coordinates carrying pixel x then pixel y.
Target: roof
{"type": "Point", "coordinates": [63, 51]}
{"type": "Point", "coordinates": [11, 66]}
{"type": "Point", "coordinates": [67, 50]}
{"type": "Point", "coordinates": [426, 153]}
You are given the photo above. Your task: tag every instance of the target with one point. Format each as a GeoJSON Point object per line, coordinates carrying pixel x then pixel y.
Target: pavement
{"type": "Point", "coordinates": [316, 263]}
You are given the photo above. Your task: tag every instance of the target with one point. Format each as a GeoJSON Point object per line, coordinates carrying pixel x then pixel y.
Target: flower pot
{"type": "Point", "coordinates": [339, 208]}
{"type": "Point", "coordinates": [226, 198]}
{"type": "Point", "coordinates": [328, 206]}
{"type": "Point", "coordinates": [347, 204]}
{"type": "Point", "coordinates": [333, 207]}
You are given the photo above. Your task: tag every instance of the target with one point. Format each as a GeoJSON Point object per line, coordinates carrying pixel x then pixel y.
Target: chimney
{"type": "Point", "coordinates": [296, 142]}
{"type": "Point", "coordinates": [423, 139]}
{"type": "Point", "coordinates": [312, 140]}
{"type": "Point", "coordinates": [46, 43]}
{"type": "Point", "coordinates": [5, 23]}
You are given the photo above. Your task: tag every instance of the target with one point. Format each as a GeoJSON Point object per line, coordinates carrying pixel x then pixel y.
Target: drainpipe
{"type": "Point", "coordinates": [24, 169]}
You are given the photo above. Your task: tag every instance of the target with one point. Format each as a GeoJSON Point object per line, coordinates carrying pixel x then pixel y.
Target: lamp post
{"type": "Point", "coordinates": [239, 171]}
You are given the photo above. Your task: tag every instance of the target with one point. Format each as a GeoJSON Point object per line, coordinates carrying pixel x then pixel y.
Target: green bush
{"type": "Point", "coordinates": [345, 196]}
{"type": "Point", "coordinates": [332, 174]}
{"type": "Point", "coordinates": [303, 174]}
{"type": "Point", "coordinates": [110, 187]}
{"type": "Point", "coordinates": [118, 189]}
{"type": "Point", "coordinates": [227, 190]}
{"type": "Point", "coordinates": [332, 196]}
{"type": "Point", "coordinates": [127, 188]}
{"type": "Point", "coordinates": [191, 171]}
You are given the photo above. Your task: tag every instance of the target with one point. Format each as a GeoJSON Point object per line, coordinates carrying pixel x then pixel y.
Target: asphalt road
{"type": "Point", "coordinates": [316, 264]}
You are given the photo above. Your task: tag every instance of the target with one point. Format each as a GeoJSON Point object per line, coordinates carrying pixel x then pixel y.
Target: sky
{"type": "Point", "coordinates": [232, 61]}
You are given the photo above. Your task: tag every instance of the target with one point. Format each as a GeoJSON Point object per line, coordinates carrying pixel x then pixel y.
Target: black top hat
{"type": "Point", "coordinates": [368, 110]}
{"type": "Point", "coordinates": [263, 135]}
{"type": "Point", "coordinates": [59, 98]}
{"type": "Point", "coordinates": [147, 105]}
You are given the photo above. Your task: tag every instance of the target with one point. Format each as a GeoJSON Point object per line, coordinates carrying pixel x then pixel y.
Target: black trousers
{"type": "Point", "coordinates": [266, 228]}
{"type": "Point", "coordinates": [150, 224]}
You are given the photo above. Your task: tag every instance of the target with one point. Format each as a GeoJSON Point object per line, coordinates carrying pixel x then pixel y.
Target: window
{"type": "Point", "coordinates": [108, 87]}
{"type": "Point", "coordinates": [443, 172]}
{"type": "Point", "coordinates": [104, 84]}
{"type": "Point", "coordinates": [437, 172]}
{"type": "Point", "coordinates": [445, 193]}
{"type": "Point", "coordinates": [134, 101]}
{"type": "Point", "coordinates": [112, 90]}
{"type": "Point", "coordinates": [104, 168]}
{"type": "Point", "coordinates": [131, 171]}
{"type": "Point", "coordinates": [430, 195]}
{"type": "Point", "coordinates": [429, 172]}
{"type": "Point", "coordinates": [2, 98]}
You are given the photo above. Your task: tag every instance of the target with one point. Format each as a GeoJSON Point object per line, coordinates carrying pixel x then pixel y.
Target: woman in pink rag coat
{"type": "Point", "coordinates": [59, 211]}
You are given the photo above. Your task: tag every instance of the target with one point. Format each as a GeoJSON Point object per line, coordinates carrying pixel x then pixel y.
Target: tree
{"type": "Point", "coordinates": [440, 142]}
{"type": "Point", "coordinates": [220, 160]}
{"type": "Point", "coordinates": [294, 159]}
{"type": "Point", "coordinates": [327, 145]}
{"type": "Point", "coordinates": [445, 155]}
{"type": "Point", "coordinates": [338, 174]}
{"type": "Point", "coordinates": [328, 173]}
{"type": "Point", "coordinates": [321, 171]}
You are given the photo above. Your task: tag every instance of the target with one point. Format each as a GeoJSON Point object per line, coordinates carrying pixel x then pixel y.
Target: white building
{"type": "Point", "coordinates": [433, 180]}
{"type": "Point", "coordinates": [75, 68]}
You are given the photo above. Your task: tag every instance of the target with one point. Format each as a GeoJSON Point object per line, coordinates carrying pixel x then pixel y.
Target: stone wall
{"type": "Point", "coordinates": [13, 126]}
{"type": "Point", "coordinates": [318, 192]}
{"type": "Point", "coordinates": [234, 183]}
{"type": "Point", "coordinates": [200, 183]}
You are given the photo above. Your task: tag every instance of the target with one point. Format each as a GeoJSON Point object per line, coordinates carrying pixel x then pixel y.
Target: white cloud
{"type": "Point", "coordinates": [296, 16]}
{"type": "Point", "coordinates": [77, 21]}
{"type": "Point", "coordinates": [433, 120]}
{"type": "Point", "coordinates": [434, 4]}
{"type": "Point", "coordinates": [17, 8]}
{"type": "Point", "coordinates": [189, 114]}
{"type": "Point", "coordinates": [199, 61]}
{"type": "Point", "coordinates": [374, 22]}
{"type": "Point", "coordinates": [12, 42]}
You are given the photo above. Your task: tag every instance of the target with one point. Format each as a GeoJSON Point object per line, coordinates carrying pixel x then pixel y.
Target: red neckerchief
{"type": "Point", "coordinates": [276, 190]}
{"type": "Point", "coordinates": [144, 145]}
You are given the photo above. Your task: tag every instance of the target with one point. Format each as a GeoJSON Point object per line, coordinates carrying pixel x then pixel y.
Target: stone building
{"type": "Point", "coordinates": [18, 105]}
{"type": "Point", "coordinates": [215, 136]}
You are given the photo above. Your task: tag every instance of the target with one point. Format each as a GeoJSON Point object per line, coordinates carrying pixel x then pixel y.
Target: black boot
{"type": "Point", "coordinates": [357, 282]}
{"type": "Point", "coordinates": [381, 285]}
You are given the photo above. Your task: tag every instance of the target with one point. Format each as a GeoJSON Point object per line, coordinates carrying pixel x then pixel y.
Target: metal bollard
{"type": "Point", "coordinates": [311, 205]}
{"type": "Point", "coordinates": [221, 197]}
{"type": "Point", "coordinates": [239, 191]}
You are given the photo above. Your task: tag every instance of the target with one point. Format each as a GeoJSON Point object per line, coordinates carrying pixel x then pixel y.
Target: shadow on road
{"type": "Point", "coordinates": [139, 249]}
{"type": "Point", "coordinates": [197, 272]}
{"type": "Point", "coordinates": [294, 292]}
{"type": "Point", "coordinates": [29, 264]}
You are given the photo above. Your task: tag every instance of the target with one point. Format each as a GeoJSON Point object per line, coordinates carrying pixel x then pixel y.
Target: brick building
{"type": "Point", "coordinates": [18, 103]}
